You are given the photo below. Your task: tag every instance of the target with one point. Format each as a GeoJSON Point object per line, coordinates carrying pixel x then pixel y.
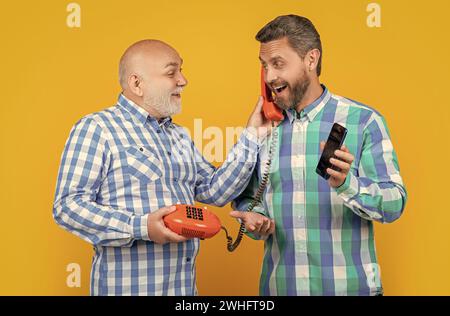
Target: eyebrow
{"type": "Point", "coordinates": [272, 59]}
{"type": "Point", "coordinates": [174, 64]}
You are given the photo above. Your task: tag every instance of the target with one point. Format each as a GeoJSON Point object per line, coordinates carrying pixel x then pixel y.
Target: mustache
{"type": "Point", "coordinates": [177, 91]}
{"type": "Point", "coordinates": [273, 84]}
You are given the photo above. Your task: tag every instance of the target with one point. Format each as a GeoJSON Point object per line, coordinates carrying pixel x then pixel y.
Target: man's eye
{"type": "Point", "coordinates": [170, 73]}
{"type": "Point", "coordinates": [278, 65]}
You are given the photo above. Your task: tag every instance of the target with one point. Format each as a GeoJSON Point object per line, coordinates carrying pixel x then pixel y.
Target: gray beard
{"type": "Point", "coordinates": [162, 104]}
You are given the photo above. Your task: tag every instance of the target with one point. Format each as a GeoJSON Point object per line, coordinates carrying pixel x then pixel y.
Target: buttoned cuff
{"type": "Point", "coordinates": [139, 225]}
{"type": "Point", "coordinates": [251, 139]}
{"type": "Point", "coordinates": [255, 236]}
{"type": "Point", "coordinates": [349, 189]}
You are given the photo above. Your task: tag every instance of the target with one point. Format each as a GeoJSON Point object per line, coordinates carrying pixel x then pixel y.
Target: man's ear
{"type": "Point", "coordinates": [312, 59]}
{"type": "Point", "coordinates": [134, 83]}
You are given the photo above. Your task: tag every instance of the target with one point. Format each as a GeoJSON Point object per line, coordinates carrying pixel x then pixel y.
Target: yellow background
{"type": "Point", "coordinates": [51, 75]}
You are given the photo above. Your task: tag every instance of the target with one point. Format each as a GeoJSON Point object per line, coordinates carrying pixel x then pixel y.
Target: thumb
{"type": "Point", "coordinates": [166, 210]}
{"type": "Point", "coordinates": [237, 214]}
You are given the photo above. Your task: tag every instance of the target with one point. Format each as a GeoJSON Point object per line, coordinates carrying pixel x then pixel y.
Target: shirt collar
{"type": "Point", "coordinates": [140, 114]}
{"type": "Point", "coordinates": [311, 110]}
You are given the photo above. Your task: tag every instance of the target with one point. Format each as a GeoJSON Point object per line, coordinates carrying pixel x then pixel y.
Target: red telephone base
{"type": "Point", "coordinates": [192, 222]}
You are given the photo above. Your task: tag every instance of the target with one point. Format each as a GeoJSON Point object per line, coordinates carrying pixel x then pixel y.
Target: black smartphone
{"type": "Point", "coordinates": [334, 142]}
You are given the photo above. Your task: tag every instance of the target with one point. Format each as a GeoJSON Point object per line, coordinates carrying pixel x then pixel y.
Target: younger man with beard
{"type": "Point", "coordinates": [323, 243]}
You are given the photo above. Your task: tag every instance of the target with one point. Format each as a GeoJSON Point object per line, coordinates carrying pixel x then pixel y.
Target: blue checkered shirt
{"type": "Point", "coordinates": [121, 164]}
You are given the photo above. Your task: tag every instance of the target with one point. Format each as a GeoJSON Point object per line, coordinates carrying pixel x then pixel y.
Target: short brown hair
{"type": "Point", "coordinates": [300, 32]}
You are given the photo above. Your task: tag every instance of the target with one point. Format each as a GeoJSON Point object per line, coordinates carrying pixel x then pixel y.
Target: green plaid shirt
{"type": "Point", "coordinates": [324, 241]}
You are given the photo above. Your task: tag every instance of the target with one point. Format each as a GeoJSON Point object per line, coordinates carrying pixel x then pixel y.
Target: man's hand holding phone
{"type": "Point", "coordinates": [342, 164]}
{"type": "Point", "coordinates": [157, 230]}
{"type": "Point", "coordinates": [257, 123]}
{"type": "Point", "coordinates": [266, 112]}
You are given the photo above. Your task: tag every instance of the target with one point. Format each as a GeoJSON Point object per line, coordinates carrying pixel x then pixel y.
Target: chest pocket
{"type": "Point", "coordinates": [142, 163]}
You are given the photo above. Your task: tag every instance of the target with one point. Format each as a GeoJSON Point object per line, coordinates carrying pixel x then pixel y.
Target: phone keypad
{"type": "Point", "coordinates": [194, 213]}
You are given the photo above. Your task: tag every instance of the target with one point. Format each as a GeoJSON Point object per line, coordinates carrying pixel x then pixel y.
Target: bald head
{"type": "Point", "coordinates": [143, 57]}
{"type": "Point", "coordinates": [150, 76]}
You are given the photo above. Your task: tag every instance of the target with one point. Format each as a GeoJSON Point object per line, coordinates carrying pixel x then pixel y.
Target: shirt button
{"type": "Point", "coordinates": [158, 131]}
{"type": "Point", "coordinates": [169, 153]}
{"type": "Point", "coordinates": [188, 259]}
{"type": "Point", "coordinates": [175, 180]}
{"type": "Point", "coordinates": [141, 149]}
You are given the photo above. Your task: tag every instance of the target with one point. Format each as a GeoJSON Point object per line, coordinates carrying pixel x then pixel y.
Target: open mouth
{"type": "Point", "coordinates": [177, 95]}
{"type": "Point", "coordinates": [279, 89]}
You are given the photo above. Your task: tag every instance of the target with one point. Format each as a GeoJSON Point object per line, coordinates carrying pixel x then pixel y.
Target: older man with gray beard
{"type": "Point", "coordinates": [124, 168]}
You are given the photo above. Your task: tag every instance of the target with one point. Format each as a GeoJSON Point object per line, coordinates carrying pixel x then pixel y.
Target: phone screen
{"type": "Point", "coordinates": [334, 142]}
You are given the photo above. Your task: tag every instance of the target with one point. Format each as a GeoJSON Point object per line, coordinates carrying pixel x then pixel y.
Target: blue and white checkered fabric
{"type": "Point", "coordinates": [118, 166]}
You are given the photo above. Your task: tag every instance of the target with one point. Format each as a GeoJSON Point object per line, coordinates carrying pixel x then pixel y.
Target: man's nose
{"type": "Point", "coordinates": [182, 81]}
{"type": "Point", "coordinates": [270, 76]}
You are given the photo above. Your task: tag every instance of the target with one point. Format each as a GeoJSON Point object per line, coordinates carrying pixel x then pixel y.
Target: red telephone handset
{"type": "Point", "coordinates": [192, 222]}
{"type": "Point", "coordinates": [270, 110]}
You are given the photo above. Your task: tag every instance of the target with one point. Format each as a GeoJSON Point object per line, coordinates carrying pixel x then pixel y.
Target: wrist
{"type": "Point", "coordinates": [140, 227]}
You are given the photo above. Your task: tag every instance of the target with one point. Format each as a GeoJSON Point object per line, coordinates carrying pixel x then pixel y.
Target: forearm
{"type": "Point", "coordinates": [243, 202]}
{"type": "Point", "coordinates": [98, 224]}
{"type": "Point", "coordinates": [379, 201]}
